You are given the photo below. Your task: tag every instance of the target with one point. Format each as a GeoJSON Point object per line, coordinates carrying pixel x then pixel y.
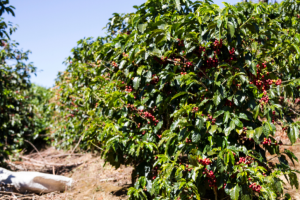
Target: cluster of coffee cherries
{"type": "Point", "coordinates": [187, 140]}
{"type": "Point", "coordinates": [188, 168]}
{"type": "Point", "coordinates": [143, 114]}
{"type": "Point", "coordinates": [131, 106]}
{"type": "Point", "coordinates": [180, 42]}
{"type": "Point", "coordinates": [212, 62]}
{"type": "Point", "coordinates": [213, 120]}
{"type": "Point", "coordinates": [154, 172]}
{"type": "Point", "coordinates": [278, 82]}
{"type": "Point", "coordinates": [189, 64]}
{"type": "Point", "coordinates": [177, 61]}
{"type": "Point", "coordinates": [201, 49]}
{"type": "Point", "coordinates": [264, 100]}
{"type": "Point", "coordinates": [255, 187]}
{"type": "Point", "coordinates": [195, 109]}
{"type": "Point", "coordinates": [183, 73]}
{"type": "Point", "coordinates": [269, 81]}
{"type": "Point", "coordinates": [260, 80]}
{"type": "Point", "coordinates": [263, 65]}
{"type": "Point", "coordinates": [125, 54]}
{"type": "Point", "coordinates": [154, 80]}
{"type": "Point", "coordinates": [205, 161]}
{"type": "Point", "coordinates": [232, 56]}
{"type": "Point", "coordinates": [114, 64]}
{"type": "Point", "coordinates": [128, 89]}
{"type": "Point", "coordinates": [273, 116]}
{"type": "Point", "coordinates": [163, 58]}
{"type": "Point", "coordinates": [267, 141]}
{"type": "Point", "coordinates": [218, 44]}
{"type": "Point", "coordinates": [211, 177]}
{"type": "Point", "coordinates": [246, 160]}
{"type": "Point", "coordinates": [148, 116]}
{"type": "Point", "coordinates": [229, 103]}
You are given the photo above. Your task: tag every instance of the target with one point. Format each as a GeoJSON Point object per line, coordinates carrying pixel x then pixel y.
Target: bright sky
{"type": "Point", "coordinates": [51, 28]}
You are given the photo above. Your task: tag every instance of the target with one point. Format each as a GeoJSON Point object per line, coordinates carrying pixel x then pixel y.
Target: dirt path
{"type": "Point", "coordinates": [91, 179]}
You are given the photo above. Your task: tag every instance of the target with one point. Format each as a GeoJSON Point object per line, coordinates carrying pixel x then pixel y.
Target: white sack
{"type": "Point", "coordinates": [35, 182]}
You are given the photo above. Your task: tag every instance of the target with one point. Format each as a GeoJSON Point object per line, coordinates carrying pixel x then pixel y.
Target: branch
{"type": "Point", "coordinates": [77, 144]}
{"type": "Point", "coordinates": [42, 164]}
{"type": "Point", "coordinates": [294, 111]}
{"type": "Point", "coordinates": [35, 149]}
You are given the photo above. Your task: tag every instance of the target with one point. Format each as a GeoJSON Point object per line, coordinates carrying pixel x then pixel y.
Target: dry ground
{"type": "Point", "coordinates": [91, 180]}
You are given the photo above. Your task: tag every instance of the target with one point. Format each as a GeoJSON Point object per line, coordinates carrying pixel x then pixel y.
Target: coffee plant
{"type": "Point", "coordinates": [191, 95]}
{"type": "Point", "coordinates": [18, 111]}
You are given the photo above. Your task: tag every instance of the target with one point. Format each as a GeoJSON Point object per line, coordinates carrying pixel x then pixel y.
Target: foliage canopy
{"type": "Point", "coordinates": [20, 109]}
{"type": "Point", "coordinates": [191, 94]}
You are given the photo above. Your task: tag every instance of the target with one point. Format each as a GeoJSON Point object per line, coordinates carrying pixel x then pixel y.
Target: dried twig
{"type": "Point", "coordinates": [64, 155]}
{"type": "Point", "coordinates": [77, 144]}
{"type": "Point", "coordinates": [98, 147]}
{"type": "Point", "coordinates": [107, 179]}
{"type": "Point", "coordinates": [18, 194]}
{"type": "Point", "coordinates": [36, 150]}
{"type": "Point", "coordinates": [14, 165]}
{"type": "Point", "coordinates": [294, 111]}
{"type": "Point", "coordinates": [40, 163]}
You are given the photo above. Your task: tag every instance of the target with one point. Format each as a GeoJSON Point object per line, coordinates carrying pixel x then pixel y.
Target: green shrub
{"type": "Point", "coordinates": [189, 94]}
{"type": "Point", "coordinates": [19, 109]}
{"type": "Point", "coordinates": [39, 98]}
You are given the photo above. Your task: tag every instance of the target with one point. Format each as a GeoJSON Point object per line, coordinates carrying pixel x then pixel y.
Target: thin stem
{"type": "Point", "coordinates": [216, 194]}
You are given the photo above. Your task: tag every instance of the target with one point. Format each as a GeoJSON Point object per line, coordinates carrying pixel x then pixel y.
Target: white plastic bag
{"type": "Point", "coordinates": [35, 182]}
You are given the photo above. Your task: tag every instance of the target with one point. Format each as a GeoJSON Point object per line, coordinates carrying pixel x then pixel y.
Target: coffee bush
{"type": "Point", "coordinates": [191, 95]}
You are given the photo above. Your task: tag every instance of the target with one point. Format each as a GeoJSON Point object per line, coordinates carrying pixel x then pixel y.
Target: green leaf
{"type": "Point", "coordinates": [217, 99]}
{"type": "Point", "coordinates": [238, 123]}
{"type": "Point", "coordinates": [256, 111]}
{"type": "Point", "coordinates": [297, 48]}
{"type": "Point", "coordinates": [293, 133]}
{"type": "Point", "coordinates": [218, 113]}
{"type": "Point", "coordinates": [136, 82]}
{"type": "Point", "coordinates": [178, 95]}
{"type": "Point", "coordinates": [243, 116]}
{"type": "Point", "coordinates": [158, 126]}
{"type": "Point", "coordinates": [231, 29]}
{"type": "Point", "coordinates": [232, 125]}
{"type": "Point", "coordinates": [227, 131]}
{"type": "Point", "coordinates": [178, 4]}
{"type": "Point", "coordinates": [123, 62]}
{"type": "Point", "coordinates": [245, 197]}
{"type": "Point", "coordinates": [213, 129]}
{"type": "Point", "coordinates": [257, 133]}
{"type": "Point", "coordinates": [159, 99]}
{"type": "Point", "coordinates": [142, 27]}
{"type": "Point", "coordinates": [291, 155]}
{"type": "Point", "coordinates": [293, 180]}
{"type": "Point", "coordinates": [140, 70]}
{"type": "Point", "coordinates": [200, 123]}
{"type": "Point", "coordinates": [235, 192]}
{"type": "Point", "coordinates": [196, 137]}
{"type": "Point", "coordinates": [226, 116]}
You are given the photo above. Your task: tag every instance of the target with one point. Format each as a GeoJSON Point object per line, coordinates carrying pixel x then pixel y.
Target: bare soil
{"type": "Point", "coordinates": [91, 180]}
